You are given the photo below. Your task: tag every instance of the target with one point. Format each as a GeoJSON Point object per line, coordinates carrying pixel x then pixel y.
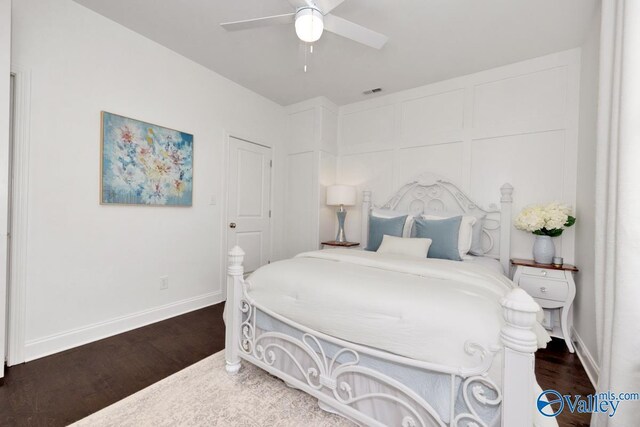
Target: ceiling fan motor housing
{"type": "Point", "coordinates": [309, 24]}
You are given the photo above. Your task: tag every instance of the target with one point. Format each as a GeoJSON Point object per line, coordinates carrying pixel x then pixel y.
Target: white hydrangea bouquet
{"type": "Point", "coordinates": [545, 220]}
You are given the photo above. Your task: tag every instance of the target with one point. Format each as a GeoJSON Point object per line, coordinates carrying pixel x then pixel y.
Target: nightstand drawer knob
{"type": "Point", "coordinates": [544, 272]}
{"type": "Point", "coordinates": [543, 289]}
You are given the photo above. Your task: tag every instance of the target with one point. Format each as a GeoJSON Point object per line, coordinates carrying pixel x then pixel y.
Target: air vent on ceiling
{"type": "Point", "coordinates": [372, 91]}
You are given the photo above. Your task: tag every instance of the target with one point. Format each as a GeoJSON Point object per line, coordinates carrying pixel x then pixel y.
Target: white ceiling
{"type": "Point", "coordinates": [430, 40]}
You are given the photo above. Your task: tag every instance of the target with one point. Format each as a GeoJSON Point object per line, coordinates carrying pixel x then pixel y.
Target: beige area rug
{"type": "Point", "coordinates": [205, 395]}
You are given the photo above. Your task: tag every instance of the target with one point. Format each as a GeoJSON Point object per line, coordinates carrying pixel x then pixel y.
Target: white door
{"type": "Point", "coordinates": [249, 201]}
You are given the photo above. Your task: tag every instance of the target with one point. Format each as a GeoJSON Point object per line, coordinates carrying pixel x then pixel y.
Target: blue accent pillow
{"type": "Point", "coordinates": [443, 234]}
{"type": "Point", "coordinates": [378, 227]}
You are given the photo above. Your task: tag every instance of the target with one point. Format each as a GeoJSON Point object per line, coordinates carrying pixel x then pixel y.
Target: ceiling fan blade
{"type": "Point", "coordinates": [300, 3]}
{"type": "Point", "coordinates": [327, 6]}
{"type": "Point", "coordinates": [287, 18]}
{"type": "Point", "coordinates": [355, 32]}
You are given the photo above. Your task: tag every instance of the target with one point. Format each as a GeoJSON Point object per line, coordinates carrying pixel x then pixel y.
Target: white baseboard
{"type": "Point", "coordinates": [41, 347]}
{"type": "Point", "coordinates": [587, 360]}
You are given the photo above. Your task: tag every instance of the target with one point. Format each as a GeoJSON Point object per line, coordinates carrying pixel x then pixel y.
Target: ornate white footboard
{"type": "Point", "coordinates": [330, 369]}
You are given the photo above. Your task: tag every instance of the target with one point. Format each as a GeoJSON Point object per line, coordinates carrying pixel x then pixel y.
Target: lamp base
{"type": "Point", "coordinates": [342, 214]}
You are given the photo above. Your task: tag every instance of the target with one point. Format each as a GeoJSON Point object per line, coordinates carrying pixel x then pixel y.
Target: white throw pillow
{"type": "Point", "coordinates": [387, 213]}
{"type": "Point", "coordinates": [404, 246]}
{"type": "Point", "coordinates": [465, 233]}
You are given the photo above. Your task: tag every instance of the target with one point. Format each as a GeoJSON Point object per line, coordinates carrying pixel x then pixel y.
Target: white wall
{"type": "Point", "coordinates": [515, 124]}
{"type": "Point", "coordinates": [94, 270]}
{"type": "Point", "coordinates": [5, 70]}
{"type": "Point", "coordinates": [584, 308]}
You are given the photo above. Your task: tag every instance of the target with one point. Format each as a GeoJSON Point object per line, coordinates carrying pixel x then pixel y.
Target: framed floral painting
{"type": "Point", "coordinates": [145, 164]}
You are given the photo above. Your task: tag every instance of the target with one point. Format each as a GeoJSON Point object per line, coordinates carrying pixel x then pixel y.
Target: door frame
{"type": "Point", "coordinates": [225, 203]}
{"type": "Point", "coordinates": [17, 283]}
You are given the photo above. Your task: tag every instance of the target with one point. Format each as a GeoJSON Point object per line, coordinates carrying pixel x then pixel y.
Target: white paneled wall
{"type": "Point", "coordinates": [441, 159]}
{"type": "Point", "coordinates": [302, 130]}
{"type": "Point", "coordinates": [301, 211]}
{"type": "Point", "coordinates": [328, 170]}
{"type": "Point", "coordinates": [367, 128]}
{"type": "Point", "coordinates": [533, 102]}
{"type": "Point", "coordinates": [514, 124]}
{"type": "Point", "coordinates": [311, 166]}
{"type": "Point", "coordinates": [437, 118]}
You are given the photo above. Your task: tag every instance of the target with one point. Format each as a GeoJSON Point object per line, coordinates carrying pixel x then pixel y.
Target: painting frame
{"type": "Point", "coordinates": [103, 201]}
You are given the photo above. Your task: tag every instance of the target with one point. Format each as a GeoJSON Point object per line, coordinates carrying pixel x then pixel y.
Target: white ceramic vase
{"type": "Point", "coordinates": [544, 250]}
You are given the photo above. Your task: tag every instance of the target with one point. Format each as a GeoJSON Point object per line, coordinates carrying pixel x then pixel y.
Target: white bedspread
{"type": "Point", "coordinates": [425, 309]}
{"type": "Point", "coordinates": [491, 263]}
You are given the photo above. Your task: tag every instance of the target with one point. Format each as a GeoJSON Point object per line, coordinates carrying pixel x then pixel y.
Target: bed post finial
{"type": "Point", "coordinates": [520, 343]}
{"type": "Point", "coordinates": [506, 190]}
{"type": "Point", "coordinates": [506, 200]}
{"type": "Point", "coordinates": [366, 209]}
{"type": "Point", "coordinates": [235, 272]}
{"type": "Point", "coordinates": [236, 256]}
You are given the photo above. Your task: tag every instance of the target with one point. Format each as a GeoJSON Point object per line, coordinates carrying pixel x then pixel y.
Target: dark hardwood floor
{"type": "Point", "coordinates": [560, 370]}
{"type": "Point", "coordinates": [65, 387]}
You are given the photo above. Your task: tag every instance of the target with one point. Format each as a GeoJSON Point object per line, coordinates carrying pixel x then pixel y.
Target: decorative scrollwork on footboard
{"type": "Point", "coordinates": [338, 373]}
{"type": "Point", "coordinates": [477, 395]}
{"type": "Point", "coordinates": [266, 353]}
{"type": "Point", "coordinates": [247, 327]}
{"type": "Point", "coordinates": [326, 372]}
{"type": "Point", "coordinates": [409, 400]}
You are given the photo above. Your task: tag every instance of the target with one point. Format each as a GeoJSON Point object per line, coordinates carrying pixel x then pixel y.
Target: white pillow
{"type": "Point", "coordinates": [477, 248]}
{"type": "Point", "coordinates": [417, 247]}
{"type": "Point", "coordinates": [465, 233]}
{"type": "Point", "coordinates": [387, 213]}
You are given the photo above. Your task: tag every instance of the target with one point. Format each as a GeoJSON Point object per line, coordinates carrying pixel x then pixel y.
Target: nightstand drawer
{"type": "Point", "coordinates": [543, 272]}
{"type": "Point", "coordinates": [546, 289]}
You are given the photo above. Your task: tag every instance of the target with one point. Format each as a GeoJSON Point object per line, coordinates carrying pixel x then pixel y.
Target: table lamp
{"type": "Point", "coordinates": [341, 195]}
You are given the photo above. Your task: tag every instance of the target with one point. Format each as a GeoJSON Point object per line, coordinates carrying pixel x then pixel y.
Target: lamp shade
{"type": "Point", "coordinates": [341, 195]}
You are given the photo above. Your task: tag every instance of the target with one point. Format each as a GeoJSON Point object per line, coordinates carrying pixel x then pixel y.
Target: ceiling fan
{"type": "Point", "coordinates": [311, 18]}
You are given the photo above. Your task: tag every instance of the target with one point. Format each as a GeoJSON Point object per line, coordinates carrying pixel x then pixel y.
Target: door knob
{"type": "Point", "coordinates": [232, 225]}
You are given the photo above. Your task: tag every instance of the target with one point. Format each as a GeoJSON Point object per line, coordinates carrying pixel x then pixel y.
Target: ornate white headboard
{"type": "Point", "coordinates": [431, 193]}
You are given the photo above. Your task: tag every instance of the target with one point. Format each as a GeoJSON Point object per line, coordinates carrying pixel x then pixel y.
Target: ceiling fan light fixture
{"type": "Point", "coordinates": [309, 24]}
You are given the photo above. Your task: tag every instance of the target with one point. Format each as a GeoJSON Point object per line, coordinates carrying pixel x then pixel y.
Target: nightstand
{"type": "Point", "coordinates": [553, 288]}
{"type": "Point", "coordinates": [340, 244]}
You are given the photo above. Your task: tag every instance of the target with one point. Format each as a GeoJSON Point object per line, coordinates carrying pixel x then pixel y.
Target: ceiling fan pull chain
{"type": "Point", "coordinates": [305, 59]}
{"type": "Point", "coordinates": [306, 54]}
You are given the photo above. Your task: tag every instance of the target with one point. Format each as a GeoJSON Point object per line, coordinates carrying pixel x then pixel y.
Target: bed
{"type": "Point", "coordinates": [386, 339]}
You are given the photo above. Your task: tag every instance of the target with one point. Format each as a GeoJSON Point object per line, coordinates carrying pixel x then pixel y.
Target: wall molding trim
{"type": "Point", "coordinates": [20, 214]}
{"type": "Point", "coordinates": [587, 360]}
{"type": "Point", "coordinates": [41, 347]}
